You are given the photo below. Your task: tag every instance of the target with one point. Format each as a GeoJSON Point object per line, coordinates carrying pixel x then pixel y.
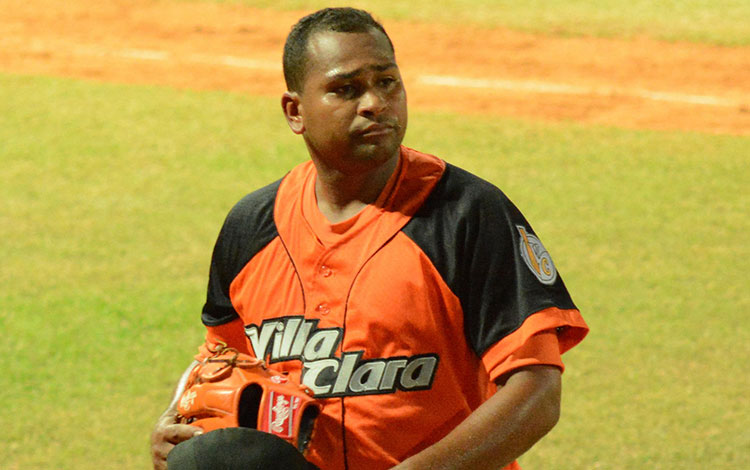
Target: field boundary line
{"type": "Point", "coordinates": [535, 86]}
{"type": "Point", "coordinates": [529, 86]}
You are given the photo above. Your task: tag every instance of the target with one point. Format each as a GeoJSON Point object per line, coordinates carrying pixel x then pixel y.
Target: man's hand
{"type": "Point", "coordinates": [167, 434]}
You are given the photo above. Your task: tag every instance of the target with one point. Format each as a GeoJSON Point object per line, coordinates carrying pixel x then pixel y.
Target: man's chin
{"type": "Point", "coordinates": [371, 155]}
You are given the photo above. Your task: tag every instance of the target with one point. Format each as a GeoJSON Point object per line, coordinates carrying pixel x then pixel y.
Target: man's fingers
{"type": "Point", "coordinates": [159, 455]}
{"type": "Point", "coordinates": [166, 437]}
{"type": "Point", "coordinates": [176, 433]}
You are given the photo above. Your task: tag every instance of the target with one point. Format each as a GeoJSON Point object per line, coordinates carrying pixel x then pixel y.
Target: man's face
{"type": "Point", "coordinates": [353, 104]}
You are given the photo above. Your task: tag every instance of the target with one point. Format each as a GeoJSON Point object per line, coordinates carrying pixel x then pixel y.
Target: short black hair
{"type": "Point", "coordinates": [340, 20]}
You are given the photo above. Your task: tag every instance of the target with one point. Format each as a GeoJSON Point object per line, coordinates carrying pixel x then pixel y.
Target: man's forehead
{"type": "Point", "coordinates": [335, 53]}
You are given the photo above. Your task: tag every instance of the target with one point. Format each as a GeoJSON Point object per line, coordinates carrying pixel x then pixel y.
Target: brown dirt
{"type": "Point", "coordinates": [639, 83]}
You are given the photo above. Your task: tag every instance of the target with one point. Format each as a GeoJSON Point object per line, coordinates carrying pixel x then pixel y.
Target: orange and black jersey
{"type": "Point", "coordinates": [401, 318]}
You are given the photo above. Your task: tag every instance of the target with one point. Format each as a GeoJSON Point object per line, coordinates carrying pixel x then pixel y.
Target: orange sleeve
{"type": "Point", "coordinates": [231, 334]}
{"type": "Point", "coordinates": [540, 340]}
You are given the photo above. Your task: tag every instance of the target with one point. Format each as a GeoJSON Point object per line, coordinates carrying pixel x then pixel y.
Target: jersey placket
{"type": "Point", "coordinates": [325, 281]}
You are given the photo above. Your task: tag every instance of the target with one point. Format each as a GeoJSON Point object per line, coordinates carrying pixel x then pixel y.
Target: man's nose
{"type": "Point", "coordinates": [371, 102]}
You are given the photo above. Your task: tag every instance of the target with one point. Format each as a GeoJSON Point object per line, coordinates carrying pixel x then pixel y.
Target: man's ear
{"type": "Point", "coordinates": [292, 107]}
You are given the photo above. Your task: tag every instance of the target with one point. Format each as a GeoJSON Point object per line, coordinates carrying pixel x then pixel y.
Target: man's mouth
{"type": "Point", "coordinates": [375, 130]}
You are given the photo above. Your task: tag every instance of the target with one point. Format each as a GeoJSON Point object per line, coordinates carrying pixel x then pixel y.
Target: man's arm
{"type": "Point", "coordinates": [519, 414]}
{"type": "Point", "coordinates": [168, 433]}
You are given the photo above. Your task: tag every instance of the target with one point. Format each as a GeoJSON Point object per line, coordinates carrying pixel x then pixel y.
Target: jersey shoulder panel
{"type": "Point", "coordinates": [472, 233]}
{"type": "Point", "coordinates": [247, 229]}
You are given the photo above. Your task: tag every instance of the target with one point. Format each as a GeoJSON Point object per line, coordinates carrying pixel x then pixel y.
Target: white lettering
{"type": "Point", "coordinates": [301, 339]}
{"type": "Point", "coordinates": [289, 331]}
{"type": "Point", "coordinates": [312, 371]}
{"type": "Point", "coordinates": [275, 351]}
{"type": "Point", "coordinates": [328, 375]}
{"type": "Point", "coordinates": [321, 344]}
{"type": "Point", "coordinates": [424, 368]}
{"type": "Point", "coordinates": [367, 377]}
{"type": "Point", "coordinates": [260, 342]}
{"type": "Point", "coordinates": [345, 372]}
{"type": "Point", "coordinates": [391, 370]}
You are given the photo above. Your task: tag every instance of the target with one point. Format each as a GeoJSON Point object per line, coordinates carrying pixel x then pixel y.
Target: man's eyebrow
{"type": "Point", "coordinates": [333, 75]}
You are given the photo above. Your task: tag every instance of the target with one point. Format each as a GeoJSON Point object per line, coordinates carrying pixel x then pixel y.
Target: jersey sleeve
{"type": "Point", "coordinates": [247, 229]}
{"type": "Point", "coordinates": [231, 334]}
{"type": "Point", "coordinates": [537, 342]}
{"type": "Point", "coordinates": [510, 288]}
{"type": "Point", "coordinates": [492, 260]}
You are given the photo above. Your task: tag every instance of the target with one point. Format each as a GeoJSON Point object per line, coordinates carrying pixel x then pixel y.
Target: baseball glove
{"type": "Point", "coordinates": [232, 389]}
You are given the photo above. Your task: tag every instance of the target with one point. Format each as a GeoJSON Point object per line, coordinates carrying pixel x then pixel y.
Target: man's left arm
{"type": "Point", "coordinates": [522, 411]}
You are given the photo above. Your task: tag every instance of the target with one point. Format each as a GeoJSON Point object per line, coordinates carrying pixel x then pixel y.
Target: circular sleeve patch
{"type": "Point", "coordinates": [536, 257]}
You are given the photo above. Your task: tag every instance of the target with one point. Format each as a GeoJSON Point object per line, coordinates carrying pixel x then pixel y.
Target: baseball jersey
{"type": "Point", "coordinates": [399, 319]}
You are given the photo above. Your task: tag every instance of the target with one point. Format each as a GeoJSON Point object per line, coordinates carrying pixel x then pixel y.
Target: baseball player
{"type": "Point", "coordinates": [412, 297]}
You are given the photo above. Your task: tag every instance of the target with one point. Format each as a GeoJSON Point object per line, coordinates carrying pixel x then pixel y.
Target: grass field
{"type": "Point", "coordinates": [112, 197]}
{"type": "Point", "coordinates": [712, 21]}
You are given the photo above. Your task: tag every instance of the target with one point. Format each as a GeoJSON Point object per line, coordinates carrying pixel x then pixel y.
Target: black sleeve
{"type": "Point", "coordinates": [247, 229]}
{"type": "Point", "coordinates": [488, 255]}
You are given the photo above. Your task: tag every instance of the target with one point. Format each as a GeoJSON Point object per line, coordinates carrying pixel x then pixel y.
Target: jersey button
{"type": "Point", "coordinates": [323, 309]}
{"type": "Point", "coordinates": [325, 271]}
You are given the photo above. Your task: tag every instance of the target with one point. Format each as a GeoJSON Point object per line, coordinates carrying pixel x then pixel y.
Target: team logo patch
{"type": "Point", "coordinates": [536, 257]}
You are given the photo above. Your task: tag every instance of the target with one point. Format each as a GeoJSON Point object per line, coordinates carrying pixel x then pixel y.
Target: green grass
{"type": "Point", "coordinates": [722, 22]}
{"type": "Point", "coordinates": [113, 195]}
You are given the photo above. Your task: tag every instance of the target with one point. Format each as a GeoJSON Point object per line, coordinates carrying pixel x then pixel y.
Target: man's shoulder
{"type": "Point", "coordinates": [262, 200]}
{"type": "Point", "coordinates": [470, 184]}
{"type": "Point", "coordinates": [454, 178]}
{"type": "Point", "coordinates": [460, 191]}
{"type": "Point", "coordinates": [255, 204]}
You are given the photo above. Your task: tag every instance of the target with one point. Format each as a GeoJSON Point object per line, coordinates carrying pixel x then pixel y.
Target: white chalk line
{"type": "Point", "coordinates": [162, 56]}
{"type": "Point", "coordinates": [564, 89]}
{"type": "Point", "coordinates": [531, 86]}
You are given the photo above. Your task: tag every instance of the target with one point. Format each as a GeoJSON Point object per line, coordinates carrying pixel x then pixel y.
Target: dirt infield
{"type": "Point", "coordinates": [635, 84]}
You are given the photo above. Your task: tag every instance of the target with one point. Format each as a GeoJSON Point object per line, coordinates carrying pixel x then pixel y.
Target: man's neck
{"type": "Point", "coordinates": [341, 196]}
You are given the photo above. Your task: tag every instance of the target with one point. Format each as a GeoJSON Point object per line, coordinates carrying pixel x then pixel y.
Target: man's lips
{"type": "Point", "coordinates": [375, 130]}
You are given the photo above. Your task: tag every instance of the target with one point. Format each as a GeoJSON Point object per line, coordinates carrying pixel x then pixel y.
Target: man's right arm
{"type": "Point", "coordinates": [168, 433]}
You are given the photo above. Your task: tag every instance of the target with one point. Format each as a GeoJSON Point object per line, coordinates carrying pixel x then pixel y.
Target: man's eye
{"type": "Point", "coordinates": [387, 82]}
{"type": "Point", "coordinates": [345, 90]}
